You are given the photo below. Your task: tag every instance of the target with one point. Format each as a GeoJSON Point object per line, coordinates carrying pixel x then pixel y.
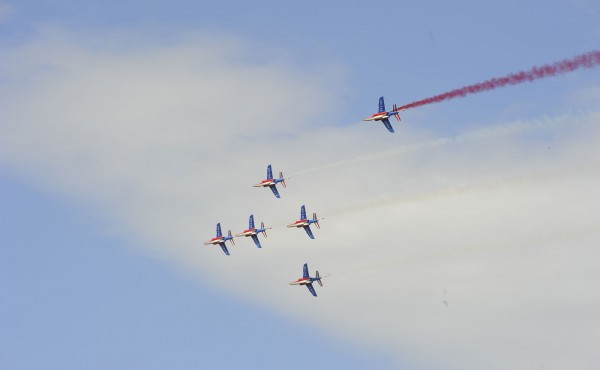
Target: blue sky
{"type": "Point", "coordinates": [130, 128]}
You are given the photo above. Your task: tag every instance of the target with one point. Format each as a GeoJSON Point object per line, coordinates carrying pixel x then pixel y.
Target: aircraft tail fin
{"type": "Point", "coordinates": [396, 113]}
{"type": "Point", "coordinates": [319, 278]}
{"type": "Point", "coordinates": [262, 226]}
{"type": "Point", "coordinates": [229, 235]}
{"type": "Point", "coordinates": [316, 220]}
{"type": "Point", "coordinates": [282, 179]}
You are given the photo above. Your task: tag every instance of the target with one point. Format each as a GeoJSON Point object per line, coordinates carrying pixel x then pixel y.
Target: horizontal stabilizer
{"type": "Point", "coordinates": [282, 179]}
{"type": "Point", "coordinates": [396, 113]}
{"type": "Point", "coordinates": [262, 226]}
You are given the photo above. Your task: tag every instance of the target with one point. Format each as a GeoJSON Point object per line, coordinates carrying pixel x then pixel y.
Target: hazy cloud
{"type": "Point", "coordinates": [478, 251]}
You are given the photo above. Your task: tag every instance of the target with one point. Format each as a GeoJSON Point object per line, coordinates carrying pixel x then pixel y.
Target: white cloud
{"type": "Point", "coordinates": [502, 224]}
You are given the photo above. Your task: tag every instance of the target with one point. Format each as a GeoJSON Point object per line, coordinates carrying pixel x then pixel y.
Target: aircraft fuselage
{"type": "Point", "coordinates": [378, 116]}
{"type": "Point", "coordinates": [299, 223]}
{"type": "Point", "coordinates": [248, 232]}
{"type": "Point", "coordinates": [217, 240]}
{"type": "Point", "coordinates": [265, 183]}
{"type": "Point", "coordinates": [301, 281]}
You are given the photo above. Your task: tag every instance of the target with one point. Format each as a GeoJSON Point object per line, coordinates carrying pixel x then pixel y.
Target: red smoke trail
{"type": "Point", "coordinates": [589, 60]}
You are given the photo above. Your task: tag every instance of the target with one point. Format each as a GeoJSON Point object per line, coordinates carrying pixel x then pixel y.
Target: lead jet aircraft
{"type": "Point", "coordinates": [307, 280]}
{"type": "Point", "coordinates": [384, 116]}
{"type": "Point", "coordinates": [253, 231]}
{"type": "Point", "coordinates": [271, 182]}
{"type": "Point", "coordinates": [220, 239]}
{"type": "Point", "coordinates": [305, 222]}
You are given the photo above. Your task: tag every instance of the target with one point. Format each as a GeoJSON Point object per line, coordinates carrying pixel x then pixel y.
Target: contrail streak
{"type": "Point", "coordinates": [478, 186]}
{"type": "Point", "coordinates": [588, 60]}
{"type": "Point", "coordinates": [481, 186]}
{"type": "Point", "coordinates": [450, 251]}
{"type": "Point", "coordinates": [479, 134]}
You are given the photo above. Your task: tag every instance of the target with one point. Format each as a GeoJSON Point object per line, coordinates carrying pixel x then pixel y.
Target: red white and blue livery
{"type": "Point", "coordinates": [253, 231]}
{"type": "Point", "coordinates": [304, 222]}
{"type": "Point", "coordinates": [308, 281]}
{"type": "Point", "coordinates": [384, 115]}
{"type": "Point", "coordinates": [271, 182]}
{"type": "Point", "coordinates": [220, 239]}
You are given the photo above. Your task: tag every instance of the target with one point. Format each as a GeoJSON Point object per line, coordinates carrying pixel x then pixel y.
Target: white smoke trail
{"type": "Point", "coordinates": [471, 136]}
{"type": "Point", "coordinates": [487, 185]}
{"type": "Point", "coordinates": [452, 251]}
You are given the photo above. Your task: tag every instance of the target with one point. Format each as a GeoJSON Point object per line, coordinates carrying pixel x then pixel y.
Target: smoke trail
{"type": "Point", "coordinates": [588, 60]}
{"type": "Point", "coordinates": [480, 186]}
{"type": "Point", "coordinates": [484, 185]}
{"type": "Point", "coordinates": [552, 237]}
{"type": "Point", "coordinates": [470, 136]}
{"type": "Point", "coordinates": [548, 238]}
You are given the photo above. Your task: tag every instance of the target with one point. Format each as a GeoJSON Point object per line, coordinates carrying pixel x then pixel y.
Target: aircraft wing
{"type": "Point", "coordinates": [224, 248]}
{"type": "Point", "coordinates": [274, 189]}
{"type": "Point", "coordinates": [309, 232]}
{"type": "Point", "coordinates": [305, 271]}
{"type": "Point", "coordinates": [219, 230]}
{"type": "Point", "coordinates": [381, 105]}
{"type": "Point", "coordinates": [312, 289]}
{"type": "Point", "coordinates": [302, 213]}
{"type": "Point", "coordinates": [255, 238]}
{"type": "Point", "coordinates": [388, 125]}
{"type": "Point", "coordinates": [269, 172]}
{"type": "Point", "coordinates": [251, 223]}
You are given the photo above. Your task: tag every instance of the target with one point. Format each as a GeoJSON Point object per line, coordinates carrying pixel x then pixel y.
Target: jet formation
{"type": "Point", "coordinates": [588, 60]}
{"type": "Point", "coordinates": [304, 222]}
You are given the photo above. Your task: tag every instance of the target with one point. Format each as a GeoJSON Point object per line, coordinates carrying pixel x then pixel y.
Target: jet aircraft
{"type": "Point", "coordinates": [271, 182]}
{"type": "Point", "coordinates": [384, 115]}
{"type": "Point", "coordinates": [220, 239]}
{"type": "Point", "coordinates": [305, 222]}
{"type": "Point", "coordinates": [253, 231]}
{"type": "Point", "coordinates": [307, 280]}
